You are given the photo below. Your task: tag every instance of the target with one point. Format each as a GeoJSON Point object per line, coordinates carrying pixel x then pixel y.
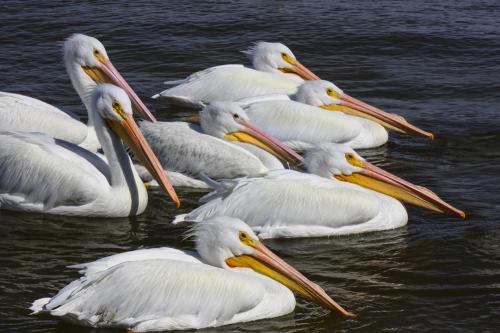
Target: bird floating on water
{"type": "Point", "coordinates": [344, 195]}
{"type": "Point", "coordinates": [46, 175]}
{"type": "Point", "coordinates": [275, 71]}
{"type": "Point", "coordinates": [306, 118]}
{"type": "Point", "coordinates": [225, 146]}
{"type": "Point", "coordinates": [233, 278]}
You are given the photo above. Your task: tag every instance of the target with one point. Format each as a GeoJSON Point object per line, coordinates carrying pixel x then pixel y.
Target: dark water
{"type": "Point", "coordinates": [437, 64]}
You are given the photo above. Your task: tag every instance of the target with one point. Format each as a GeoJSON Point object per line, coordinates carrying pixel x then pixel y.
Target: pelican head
{"type": "Point", "coordinates": [340, 162]}
{"type": "Point", "coordinates": [227, 120]}
{"type": "Point", "coordinates": [277, 58]}
{"type": "Point", "coordinates": [229, 243]}
{"type": "Point", "coordinates": [88, 64]}
{"type": "Point", "coordinates": [328, 96]}
{"type": "Point", "coordinates": [113, 105]}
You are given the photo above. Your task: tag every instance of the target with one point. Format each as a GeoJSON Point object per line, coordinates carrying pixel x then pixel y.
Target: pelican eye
{"type": "Point", "coordinates": [98, 55]}
{"type": "Point", "coordinates": [330, 92]}
{"type": "Point", "coordinates": [236, 116]}
{"type": "Point", "coordinates": [351, 159]}
{"type": "Point", "coordinates": [245, 238]}
{"type": "Point", "coordinates": [285, 56]}
{"type": "Point", "coordinates": [117, 107]}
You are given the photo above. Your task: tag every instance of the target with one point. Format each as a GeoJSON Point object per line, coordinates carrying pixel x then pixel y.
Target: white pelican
{"type": "Point", "coordinates": [303, 126]}
{"type": "Point", "coordinates": [276, 71]}
{"type": "Point", "coordinates": [46, 175]}
{"type": "Point", "coordinates": [186, 151]}
{"type": "Point", "coordinates": [87, 64]}
{"type": "Point", "coordinates": [305, 120]}
{"type": "Point", "coordinates": [291, 204]}
{"type": "Point", "coordinates": [233, 278]}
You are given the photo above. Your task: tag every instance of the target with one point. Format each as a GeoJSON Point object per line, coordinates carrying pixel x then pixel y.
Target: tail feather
{"type": "Point", "coordinates": [172, 82]}
{"type": "Point", "coordinates": [180, 218]}
{"type": "Point", "coordinates": [39, 304]}
{"type": "Point", "coordinates": [220, 188]}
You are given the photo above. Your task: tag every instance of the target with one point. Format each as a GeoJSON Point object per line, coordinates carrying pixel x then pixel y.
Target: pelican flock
{"type": "Point", "coordinates": [252, 124]}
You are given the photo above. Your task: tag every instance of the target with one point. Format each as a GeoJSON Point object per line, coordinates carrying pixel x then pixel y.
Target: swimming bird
{"type": "Point", "coordinates": [87, 64]}
{"type": "Point", "coordinates": [344, 195]}
{"type": "Point", "coordinates": [233, 278]}
{"type": "Point", "coordinates": [225, 146]}
{"type": "Point", "coordinates": [306, 118]}
{"type": "Point", "coordinates": [275, 70]}
{"type": "Point", "coordinates": [41, 174]}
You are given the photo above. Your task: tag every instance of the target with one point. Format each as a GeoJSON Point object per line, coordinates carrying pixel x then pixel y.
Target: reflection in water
{"type": "Point", "coordinates": [434, 64]}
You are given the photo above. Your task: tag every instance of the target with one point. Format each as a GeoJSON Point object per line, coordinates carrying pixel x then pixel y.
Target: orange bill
{"type": "Point", "coordinates": [129, 132]}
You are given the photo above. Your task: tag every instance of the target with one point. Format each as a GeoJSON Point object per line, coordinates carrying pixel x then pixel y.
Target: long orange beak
{"type": "Point", "coordinates": [257, 137]}
{"type": "Point", "coordinates": [300, 70]}
{"type": "Point", "coordinates": [355, 107]}
{"type": "Point", "coordinates": [128, 131]}
{"type": "Point", "coordinates": [107, 73]}
{"type": "Point", "coordinates": [266, 262]}
{"type": "Point", "coordinates": [382, 181]}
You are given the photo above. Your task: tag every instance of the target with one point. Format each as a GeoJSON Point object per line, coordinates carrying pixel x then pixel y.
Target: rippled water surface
{"type": "Point", "coordinates": [437, 64]}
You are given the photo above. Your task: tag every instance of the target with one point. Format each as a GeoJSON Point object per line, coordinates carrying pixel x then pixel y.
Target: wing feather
{"type": "Point", "coordinates": [292, 121]}
{"type": "Point", "coordinates": [289, 199]}
{"type": "Point", "coordinates": [26, 114]}
{"type": "Point", "coordinates": [183, 149]}
{"type": "Point", "coordinates": [159, 294]}
{"type": "Point", "coordinates": [137, 255]}
{"type": "Point", "coordinates": [228, 83]}
{"type": "Point", "coordinates": [38, 171]}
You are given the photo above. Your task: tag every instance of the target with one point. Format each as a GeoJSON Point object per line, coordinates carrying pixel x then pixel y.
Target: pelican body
{"type": "Point", "coordinates": [87, 64]}
{"type": "Point", "coordinates": [276, 71]}
{"type": "Point", "coordinates": [303, 126]}
{"type": "Point", "coordinates": [329, 202]}
{"type": "Point", "coordinates": [233, 278]}
{"type": "Point", "coordinates": [47, 175]}
{"type": "Point", "coordinates": [26, 114]}
{"type": "Point", "coordinates": [225, 146]}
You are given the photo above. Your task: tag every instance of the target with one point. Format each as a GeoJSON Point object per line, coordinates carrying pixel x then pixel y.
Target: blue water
{"type": "Point", "coordinates": [435, 63]}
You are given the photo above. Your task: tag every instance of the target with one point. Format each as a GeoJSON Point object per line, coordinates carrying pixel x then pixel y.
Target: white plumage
{"type": "Point", "coordinates": [226, 83]}
{"type": "Point", "coordinates": [287, 203]}
{"type": "Point", "coordinates": [193, 150]}
{"type": "Point", "coordinates": [43, 174]}
{"type": "Point", "coordinates": [276, 71]}
{"type": "Point", "coordinates": [292, 204]}
{"type": "Point", "coordinates": [87, 64]}
{"type": "Point", "coordinates": [166, 289]}
{"type": "Point", "coordinates": [303, 126]}
{"type": "Point", "coordinates": [38, 175]}
{"type": "Point", "coordinates": [183, 148]}
{"type": "Point", "coordinates": [27, 114]}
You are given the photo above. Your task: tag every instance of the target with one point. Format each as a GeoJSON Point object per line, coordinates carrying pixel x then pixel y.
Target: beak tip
{"type": "Point", "coordinates": [350, 314]}
{"type": "Point", "coordinates": [177, 202]}
{"type": "Point", "coordinates": [462, 214]}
